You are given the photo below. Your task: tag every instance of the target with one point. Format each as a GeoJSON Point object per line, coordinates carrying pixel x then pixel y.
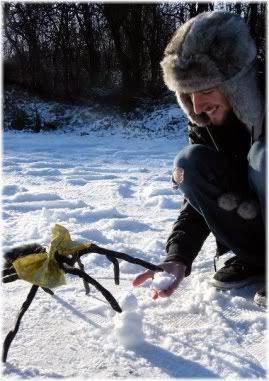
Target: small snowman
{"type": "Point", "coordinates": [128, 326]}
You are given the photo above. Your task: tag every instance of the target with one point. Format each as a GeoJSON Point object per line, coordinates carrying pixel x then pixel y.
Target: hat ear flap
{"type": "Point", "coordinates": [186, 105]}
{"type": "Point", "coordinates": [246, 99]}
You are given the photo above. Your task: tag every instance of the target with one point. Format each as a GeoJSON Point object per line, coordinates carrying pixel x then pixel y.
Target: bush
{"type": "Point", "coordinates": [20, 120]}
{"type": "Point", "coordinates": [50, 126]}
{"type": "Point", "coordinates": [37, 125]}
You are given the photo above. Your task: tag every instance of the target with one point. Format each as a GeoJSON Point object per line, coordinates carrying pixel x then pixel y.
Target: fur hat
{"type": "Point", "coordinates": [215, 49]}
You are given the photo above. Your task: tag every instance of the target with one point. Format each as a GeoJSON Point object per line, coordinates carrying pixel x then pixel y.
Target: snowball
{"type": "Point", "coordinates": [128, 302]}
{"type": "Point", "coordinates": [162, 281]}
{"type": "Point", "coordinates": [128, 329]}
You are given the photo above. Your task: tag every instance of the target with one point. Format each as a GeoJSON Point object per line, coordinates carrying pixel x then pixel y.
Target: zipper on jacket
{"type": "Point", "coordinates": [213, 140]}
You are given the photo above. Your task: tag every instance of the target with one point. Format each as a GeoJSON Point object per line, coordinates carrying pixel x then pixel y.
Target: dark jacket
{"type": "Point", "coordinates": [190, 229]}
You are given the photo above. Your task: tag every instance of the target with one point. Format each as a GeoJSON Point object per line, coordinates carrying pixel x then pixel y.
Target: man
{"type": "Point", "coordinates": [210, 63]}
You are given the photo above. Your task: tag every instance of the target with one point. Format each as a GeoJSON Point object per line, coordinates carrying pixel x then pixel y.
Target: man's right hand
{"type": "Point", "coordinates": [177, 269]}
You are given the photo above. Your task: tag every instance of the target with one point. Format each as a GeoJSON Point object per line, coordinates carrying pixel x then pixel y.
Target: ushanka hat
{"type": "Point", "coordinates": [215, 49]}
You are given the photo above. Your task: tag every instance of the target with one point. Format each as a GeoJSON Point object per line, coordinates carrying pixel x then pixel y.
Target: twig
{"type": "Point", "coordinates": [10, 278]}
{"type": "Point", "coordinates": [116, 269]}
{"type": "Point", "coordinates": [66, 263]}
{"type": "Point", "coordinates": [48, 291]}
{"type": "Point", "coordinates": [126, 257]}
{"type": "Point", "coordinates": [9, 271]}
{"type": "Point", "coordinates": [86, 284]}
{"type": "Point", "coordinates": [11, 335]}
{"type": "Point", "coordinates": [116, 254]}
{"type": "Point", "coordinates": [72, 270]}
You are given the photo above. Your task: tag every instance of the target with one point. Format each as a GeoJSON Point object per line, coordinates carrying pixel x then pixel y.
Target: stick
{"type": "Point", "coordinates": [11, 335]}
{"type": "Point", "coordinates": [9, 271]}
{"type": "Point", "coordinates": [48, 290]}
{"type": "Point", "coordinates": [86, 284]}
{"type": "Point", "coordinates": [126, 257]}
{"type": "Point", "coordinates": [116, 269]}
{"type": "Point", "coordinates": [71, 270]}
{"type": "Point", "coordinates": [10, 278]}
{"type": "Point", "coordinates": [115, 254]}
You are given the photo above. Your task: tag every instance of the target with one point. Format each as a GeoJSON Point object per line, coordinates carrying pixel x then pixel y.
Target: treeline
{"type": "Point", "coordinates": [70, 50]}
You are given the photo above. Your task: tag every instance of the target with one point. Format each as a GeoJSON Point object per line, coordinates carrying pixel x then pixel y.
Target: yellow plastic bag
{"type": "Point", "coordinates": [42, 269]}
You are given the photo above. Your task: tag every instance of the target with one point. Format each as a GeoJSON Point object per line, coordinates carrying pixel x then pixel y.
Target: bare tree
{"type": "Point", "coordinates": [22, 24]}
{"type": "Point", "coordinates": [68, 50]}
{"type": "Point", "coordinates": [125, 25]}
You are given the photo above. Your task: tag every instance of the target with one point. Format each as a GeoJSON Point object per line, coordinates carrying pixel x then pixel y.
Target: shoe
{"type": "Point", "coordinates": [234, 274]}
{"type": "Point", "coordinates": [260, 297]}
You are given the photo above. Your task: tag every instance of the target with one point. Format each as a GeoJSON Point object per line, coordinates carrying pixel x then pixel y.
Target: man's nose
{"type": "Point", "coordinates": [197, 102]}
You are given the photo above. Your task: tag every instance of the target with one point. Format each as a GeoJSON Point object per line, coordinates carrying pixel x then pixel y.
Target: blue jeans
{"type": "Point", "coordinates": [208, 177]}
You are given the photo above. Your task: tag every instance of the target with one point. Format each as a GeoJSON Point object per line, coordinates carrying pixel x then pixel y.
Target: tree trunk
{"type": "Point", "coordinates": [202, 7]}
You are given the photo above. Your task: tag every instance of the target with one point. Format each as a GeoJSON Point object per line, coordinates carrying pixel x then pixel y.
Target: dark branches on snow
{"type": "Point", "coordinates": [67, 264]}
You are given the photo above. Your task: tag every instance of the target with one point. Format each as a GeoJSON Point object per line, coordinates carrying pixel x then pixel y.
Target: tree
{"type": "Point", "coordinates": [22, 23]}
{"type": "Point", "coordinates": [67, 50]}
{"type": "Point", "coordinates": [125, 25]}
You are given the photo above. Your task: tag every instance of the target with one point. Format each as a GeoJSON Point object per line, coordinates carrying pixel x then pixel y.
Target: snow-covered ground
{"type": "Point", "coordinates": [114, 190]}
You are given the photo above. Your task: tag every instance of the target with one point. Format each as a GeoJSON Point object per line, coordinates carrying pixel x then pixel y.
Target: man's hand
{"type": "Point", "coordinates": [177, 269]}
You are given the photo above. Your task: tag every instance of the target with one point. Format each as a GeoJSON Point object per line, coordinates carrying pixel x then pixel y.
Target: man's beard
{"type": "Point", "coordinates": [229, 119]}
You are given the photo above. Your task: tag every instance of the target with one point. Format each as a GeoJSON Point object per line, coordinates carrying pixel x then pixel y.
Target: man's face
{"type": "Point", "coordinates": [213, 103]}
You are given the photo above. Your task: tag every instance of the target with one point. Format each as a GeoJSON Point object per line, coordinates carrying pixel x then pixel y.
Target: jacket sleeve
{"type": "Point", "coordinates": [190, 229]}
{"type": "Point", "coordinates": [187, 237]}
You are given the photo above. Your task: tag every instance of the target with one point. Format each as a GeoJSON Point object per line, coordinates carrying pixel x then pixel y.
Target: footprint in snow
{"type": "Point", "coordinates": [162, 202]}
{"type": "Point", "coordinates": [76, 182]}
{"type": "Point", "coordinates": [29, 197]}
{"type": "Point", "coordinates": [42, 172]}
{"type": "Point", "coordinates": [125, 191]}
{"type": "Point", "coordinates": [152, 191]}
{"type": "Point", "coordinates": [128, 225]}
{"type": "Point", "coordinates": [94, 235]}
{"type": "Point", "coordinates": [10, 190]}
{"type": "Point", "coordinates": [44, 165]}
{"type": "Point", "coordinates": [28, 206]}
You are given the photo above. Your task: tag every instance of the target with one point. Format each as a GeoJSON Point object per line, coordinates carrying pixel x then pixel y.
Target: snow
{"type": "Point", "coordinates": [128, 329]}
{"type": "Point", "coordinates": [128, 326]}
{"type": "Point", "coordinates": [113, 188]}
{"type": "Point", "coordinates": [162, 281]}
{"type": "Point", "coordinates": [128, 302]}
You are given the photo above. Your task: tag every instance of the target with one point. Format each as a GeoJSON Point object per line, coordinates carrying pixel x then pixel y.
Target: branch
{"type": "Point", "coordinates": [11, 270]}
{"type": "Point", "coordinates": [72, 270]}
{"type": "Point", "coordinates": [48, 291]}
{"type": "Point", "coordinates": [11, 335]}
{"type": "Point", "coordinates": [126, 257]}
{"type": "Point", "coordinates": [114, 254]}
{"type": "Point", "coordinates": [10, 278]}
{"type": "Point", "coordinates": [116, 268]}
{"type": "Point", "coordinates": [86, 284]}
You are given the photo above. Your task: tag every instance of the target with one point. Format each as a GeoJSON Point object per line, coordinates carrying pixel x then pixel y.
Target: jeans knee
{"type": "Point", "coordinates": [257, 166]}
{"type": "Point", "coordinates": [257, 157]}
{"type": "Point", "coordinates": [190, 155]}
{"type": "Point", "coordinates": [190, 159]}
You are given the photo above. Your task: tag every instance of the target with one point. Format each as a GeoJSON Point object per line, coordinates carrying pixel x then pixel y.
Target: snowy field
{"type": "Point", "coordinates": [115, 191]}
